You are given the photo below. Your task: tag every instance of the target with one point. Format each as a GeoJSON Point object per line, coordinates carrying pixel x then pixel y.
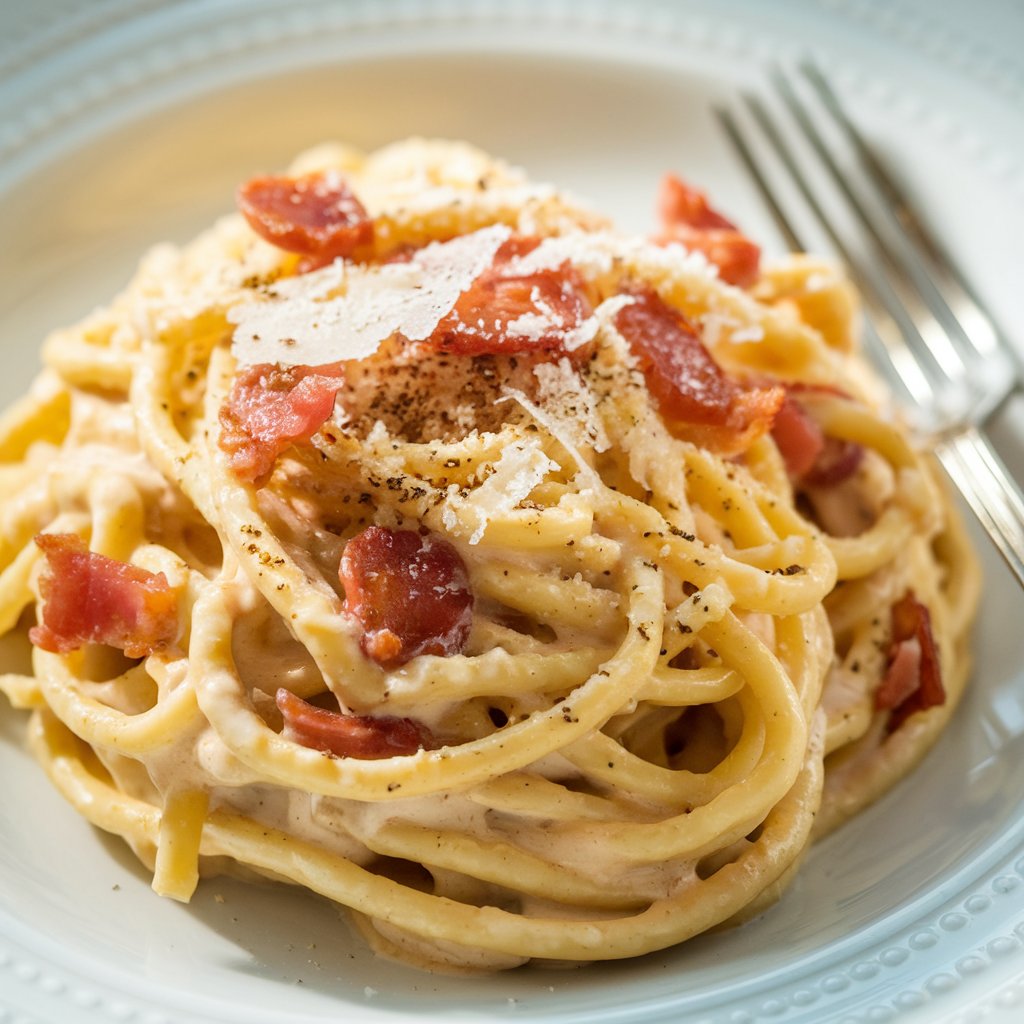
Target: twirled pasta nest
{"type": "Point", "coordinates": [550, 620]}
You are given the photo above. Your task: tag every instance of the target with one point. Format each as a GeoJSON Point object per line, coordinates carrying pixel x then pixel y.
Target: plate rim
{"type": "Point", "coordinates": [48, 116]}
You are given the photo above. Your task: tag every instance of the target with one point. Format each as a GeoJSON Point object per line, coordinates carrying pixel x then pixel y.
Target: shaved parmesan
{"type": "Point", "coordinates": [522, 466]}
{"type": "Point", "coordinates": [531, 326]}
{"type": "Point", "coordinates": [344, 312]}
{"type": "Point", "coordinates": [603, 316]}
{"type": "Point", "coordinates": [570, 404]}
{"type": "Point", "coordinates": [595, 253]}
{"type": "Point", "coordinates": [751, 333]}
{"type": "Point", "coordinates": [557, 429]}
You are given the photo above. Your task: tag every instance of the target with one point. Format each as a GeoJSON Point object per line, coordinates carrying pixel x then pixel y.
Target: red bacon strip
{"type": "Point", "coordinates": [270, 408]}
{"type": "Point", "coordinates": [695, 396]}
{"type": "Point", "coordinates": [798, 436]}
{"type": "Point", "coordinates": [410, 594]}
{"type": "Point", "coordinates": [913, 676]}
{"type": "Point", "coordinates": [360, 736]}
{"type": "Point", "coordinates": [811, 457]}
{"type": "Point", "coordinates": [503, 313]}
{"type": "Point", "coordinates": [837, 461]}
{"type": "Point", "coordinates": [89, 598]}
{"type": "Point", "coordinates": [315, 215]}
{"type": "Point", "coordinates": [687, 218]}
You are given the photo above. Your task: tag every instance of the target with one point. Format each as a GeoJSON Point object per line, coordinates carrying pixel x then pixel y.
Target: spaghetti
{"type": "Point", "coordinates": [534, 592]}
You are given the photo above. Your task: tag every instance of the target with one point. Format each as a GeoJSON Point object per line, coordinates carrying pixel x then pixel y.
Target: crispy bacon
{"type": "Point", "coordinates": [360, 736]}
{"type": "Point", "coordinates": [913, 675]}
{"type": "Point", "coordinates": [837, 461]}
{"type": "Point", "coordinates": [410, 593]}
{"type": "Point", "coordinates": [695, 396]}
{"type": "Point", "coordinates": [89, 598]}
{"type": "Point", "coordinates": [316, 215]}
{"type": "Point", "coordinates": [270, 408]}
{"type": "Point", "coordinates": [811, 457]}
{"type": "Point", "coordinates": [799, 438]}
{"type": "Point", "coordinates": [687, 218]}
{"type": "Point", "coordinates": [504, 313]}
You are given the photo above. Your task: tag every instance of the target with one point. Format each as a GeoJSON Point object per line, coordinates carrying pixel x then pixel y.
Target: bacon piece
{"type": "Point", "coordinates": [838, 460]}
{"type": "Point", "coordinates": [270, 408]}
{"type": "Point", "coordinates": [697, 399]}
{"type": "Point", "coordinates": [360, 736]}
{"type": "Point", "coordinates": [811, 457]}
{"type": "Point", "coordinates": [799, 438]}
{"type": "Point", "coordinates": [89, 598]}
{"type": "Point", "coordinates": [315, 215]}
{"type": "Point", "coordinates": [680, 203]}
{"type": "Point", "coordinates": [503, 313]}
{"type": "Point", "coordinates": [902, 675]}
{"type": "Point", "coordinates": [913, 676]}
{"type": "Point", "coordinates": [687, 218]}
{"type": "Point", "coordinates": [410, 593]}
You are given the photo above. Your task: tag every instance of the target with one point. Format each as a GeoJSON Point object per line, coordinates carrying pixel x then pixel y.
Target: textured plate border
{"type": "Point", "coordinates": [81, 80]}
{"type": "Point", "coordinates": [56, 82]}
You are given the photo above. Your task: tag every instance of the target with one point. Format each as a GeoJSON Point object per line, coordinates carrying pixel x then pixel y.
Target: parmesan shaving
{"type": "Point", "coordinates": [566, 399]}
{"type": "Point", "coordinates": [558, 431]}
{"type": "Point", "coordinates": [748, 334]}
{"type": "Point", "coordinates": [602, 317]}
{"type": "Point", "coordinates": [596, 253]}
{"type": "Point", "coordinates": [306, 322]}
{"type": "Point", "coordinates": [521, 467]}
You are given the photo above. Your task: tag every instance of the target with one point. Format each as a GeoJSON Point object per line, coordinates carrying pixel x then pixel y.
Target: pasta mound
{"type": "Point", "coordinates": [651, 661]}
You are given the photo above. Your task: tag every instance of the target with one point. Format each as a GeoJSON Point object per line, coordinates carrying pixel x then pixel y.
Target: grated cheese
{"type": "Point", "coordinates": [595, 253]}
{"type": "Point", "coordinates": [570, 404]}
{"type": "Point", "coordinates": [344, 312]}
{"type": "Point", "coordinates": [522, 466]}
{"type": "Point", "coordinates": [602, 317]}
{"type": "Point", "coordinates": [557, 431]}
{"type": "Point", "coordinates": [749, 333]}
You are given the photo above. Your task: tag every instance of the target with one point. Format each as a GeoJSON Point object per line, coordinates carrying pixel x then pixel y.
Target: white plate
{"type": "Point", "coordinates": [125, 123]}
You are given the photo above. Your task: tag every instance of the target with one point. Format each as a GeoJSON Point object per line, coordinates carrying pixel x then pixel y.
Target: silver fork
{"type": "Point", "coordinates": [951, 367]}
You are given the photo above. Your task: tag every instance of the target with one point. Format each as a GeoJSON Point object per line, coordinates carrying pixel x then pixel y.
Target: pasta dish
{"type": "Point", "coordinates": [533, 591]}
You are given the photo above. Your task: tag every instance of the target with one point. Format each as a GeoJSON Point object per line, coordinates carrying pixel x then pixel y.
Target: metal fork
{"type": "Point", "coordinates": [950, 365]}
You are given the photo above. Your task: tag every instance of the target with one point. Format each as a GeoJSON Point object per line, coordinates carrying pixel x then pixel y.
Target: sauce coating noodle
{"type": "Point", "coordinates": [627, 669]}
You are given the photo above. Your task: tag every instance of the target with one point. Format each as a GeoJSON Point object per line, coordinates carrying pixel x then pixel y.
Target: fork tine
{"type": "Point", "coordinates": [896, 353]}
{"type": "Point", "coordinates": [945, 279]}
{"type": "Point", "coordinates": [888, 330]}
{"type": "Point", "coordinates": [965, 452]}
{"type": "Point", "coordinates": [923, 315]}
{"type": "Point", "coordinates": [971, 462]}
{"type": "Point", "coordinates": [785, 225]}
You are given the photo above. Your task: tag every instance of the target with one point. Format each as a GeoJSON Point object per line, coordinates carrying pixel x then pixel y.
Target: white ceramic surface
{"type": "Point", "coordinates": [123, 122]}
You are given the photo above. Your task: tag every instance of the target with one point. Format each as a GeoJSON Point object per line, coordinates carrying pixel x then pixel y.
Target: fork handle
{"type": "Point", "coordinates": [993, 495]}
